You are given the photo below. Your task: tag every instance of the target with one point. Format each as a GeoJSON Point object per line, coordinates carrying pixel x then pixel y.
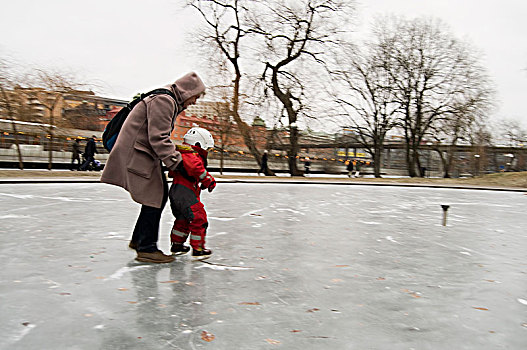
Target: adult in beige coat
{"type": "Point", "coordinates": [136, 160]}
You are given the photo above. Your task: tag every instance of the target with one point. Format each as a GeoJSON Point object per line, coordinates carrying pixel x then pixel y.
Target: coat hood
{"type": "Point", "coordinates": [189, 85]}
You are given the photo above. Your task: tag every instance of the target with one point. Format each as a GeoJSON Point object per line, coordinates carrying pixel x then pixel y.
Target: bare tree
{"type": "Point", "coordinates": [429, 69]}
{"type": "Point", "coordinates": [296, 38]}
{"type": "Point", "coordinates": [512, 132]}
{"type": "Point", "coordinates": [367, 96]}
{"type": "Point", "coordinates": [225, 31]}
{"type": "Point", "coordinates": [481, 139]}
{"type": "Point", "coordinates": [225, 128]}
{"type": "Point", "coordinates": [466, 119]}
{"type": "Point", "coordinates": [49, 87]}
{"type": "Point", "coordinates": [9, 102]}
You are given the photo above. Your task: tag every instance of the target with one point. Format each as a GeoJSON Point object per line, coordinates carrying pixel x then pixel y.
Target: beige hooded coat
{"type": "Point", "coordinates": [144, 141]}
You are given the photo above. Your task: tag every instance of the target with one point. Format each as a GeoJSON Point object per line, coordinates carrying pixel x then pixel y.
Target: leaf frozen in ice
{"type": "Point", "coordinates": [208, 337]}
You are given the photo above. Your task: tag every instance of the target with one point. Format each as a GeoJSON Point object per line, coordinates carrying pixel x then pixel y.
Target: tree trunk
{"type": "Point", "coordinates": [50, 151]}
{"type": "Point", "coordinates": [377, 160]}
{"type": "Point", "coordinates": [11, 114]}
{"type": "Point", "coordinates": [221, 160]}
{"type": "Point", "coordinates": [420, 169]}
{"type": "Point", "coordinates": [242, 126]}
{"type": "Point", "coordinates": [444, 164]}
{"type": "Point", "coordinates": [19, 151]}
{"type": "Point", "coordinates": [410, 161]}
{"type": "Point", "coordinates": [449, 162]}
{"type": "Point", "coordinates": [293, 152]}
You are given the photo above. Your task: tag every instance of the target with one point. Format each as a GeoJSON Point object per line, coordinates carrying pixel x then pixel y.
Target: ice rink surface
{"type": "Point", "coordinates": [293, 267]}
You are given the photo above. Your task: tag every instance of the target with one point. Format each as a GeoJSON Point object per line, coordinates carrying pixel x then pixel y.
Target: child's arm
{"type": "Point", "coordinates": [195, 168]}
{"type": "Point", "coordinates": [208, 182]}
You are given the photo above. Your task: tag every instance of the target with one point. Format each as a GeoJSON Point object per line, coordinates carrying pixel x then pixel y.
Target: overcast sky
{"type": "Point", "coordinates": [127, 46]}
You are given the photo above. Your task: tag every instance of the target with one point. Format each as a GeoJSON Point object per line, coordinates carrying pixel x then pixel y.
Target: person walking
{"type": "Point", "coordinates": [349, 168]}
{"type": "Point", "coordinates": [263, 166]}
{"type": "Point", "coordinates": [358, 165]}
{"type": "Point", "coordinates": [89, 153]}
{"type": "Point", "coordinates": [75, 154]}
{"type": "Point", "coordinates": [141, 151]}
{"type": "Point", "coordinates": [307, 165]}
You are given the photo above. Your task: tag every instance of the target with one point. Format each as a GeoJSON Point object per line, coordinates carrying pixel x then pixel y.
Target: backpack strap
{"type": "Point", "coordinates": [159, 91]}
{"type": "Point", "coordinates": [153, 92]}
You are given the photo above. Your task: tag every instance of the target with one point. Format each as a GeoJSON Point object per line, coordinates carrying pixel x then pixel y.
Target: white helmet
{"type": "Point", "coordinates": [199, 137]}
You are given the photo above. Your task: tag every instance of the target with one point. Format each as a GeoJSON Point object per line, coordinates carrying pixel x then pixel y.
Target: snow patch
{"type": "Point", "coordinates": [13, 216]}
{"type": "Point", "coordinates": [19, 196]}
{"type": "Point", "coordinates": [390, 238]}
{"type": "Point", "coordinates": [222, 267]}
{"type": "Point", "coordinates": [120, 273]}
{"type": "Point", "coordinates": [216, 234]}
{"type": "Point", "coordinates": [290, 210]}
{"type": "Point", "coordinates": [221, 219]}
{"type": "Point", "coordinates": [370, 222]}
{"type": "Point", "coordinates": [17, 337]}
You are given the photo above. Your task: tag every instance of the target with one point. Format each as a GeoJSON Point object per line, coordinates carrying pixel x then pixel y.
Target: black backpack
{"type": "Point", "coordinates": [110, 133]}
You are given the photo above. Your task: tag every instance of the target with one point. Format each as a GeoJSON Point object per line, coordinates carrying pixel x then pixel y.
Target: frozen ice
{"type": "Point", "coordinates": [308, 266]}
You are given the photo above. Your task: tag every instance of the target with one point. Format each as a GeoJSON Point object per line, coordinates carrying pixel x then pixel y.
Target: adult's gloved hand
{"type": "Point", "coordinates": [208, 183]}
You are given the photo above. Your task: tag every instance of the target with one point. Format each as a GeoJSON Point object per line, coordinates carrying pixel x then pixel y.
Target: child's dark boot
{"type": "Point", "coordinates": [179, 249]}
{"type": "Point", "coordinates": [201, 254]}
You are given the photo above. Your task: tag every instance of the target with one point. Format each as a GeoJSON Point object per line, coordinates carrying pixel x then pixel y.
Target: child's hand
{"type": "Point", "coordinates": [208, 183]}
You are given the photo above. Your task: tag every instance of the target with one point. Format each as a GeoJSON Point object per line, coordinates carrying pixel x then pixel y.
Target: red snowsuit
{"type": "Point", "coordinates": [184, 196]}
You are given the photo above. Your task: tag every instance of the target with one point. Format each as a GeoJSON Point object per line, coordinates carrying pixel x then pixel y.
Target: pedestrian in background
{"type": "Point", "coordinates": [358, 165]}
{"type": "Point", "coordinates": [307, 165]}
{"type": "Point", "coordinates": [349, 168]}
{"type": "Point", "coordinates": [263, 166]}
{"type": "Point", "coordinates": [136, 160]}
{"type": "Point", "coordinates": [89, 153]}
{"type": "Point", "coordinates": [75, 154]}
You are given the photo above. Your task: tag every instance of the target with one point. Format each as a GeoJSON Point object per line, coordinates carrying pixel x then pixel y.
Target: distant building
{"type": "Point", "coordinates": [216, 117]}
{"type": "Point", "coordinates": [74, 109]}
{"type": "Point", "coordinates": [83, 110]}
